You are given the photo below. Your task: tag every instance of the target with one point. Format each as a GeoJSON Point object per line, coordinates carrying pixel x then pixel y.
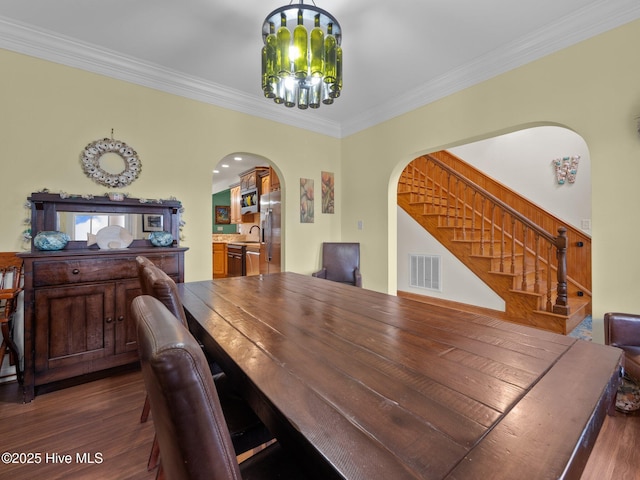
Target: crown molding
{"type": "Point", "coordinates": [25, 39]}
{"type": "Point", "coordinates": [596, 18]}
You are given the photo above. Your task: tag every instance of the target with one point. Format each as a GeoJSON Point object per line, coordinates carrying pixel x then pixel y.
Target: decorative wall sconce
{"type": "Point", "coordinates": [566, 169]}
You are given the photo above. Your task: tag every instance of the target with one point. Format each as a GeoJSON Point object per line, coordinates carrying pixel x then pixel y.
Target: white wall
{"type": "Point", "coordinates": [522, 161]}
{"type": "Point", "coordinates": [459, 284]}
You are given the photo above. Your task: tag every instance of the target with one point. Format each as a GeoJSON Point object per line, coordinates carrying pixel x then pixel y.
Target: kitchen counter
{"type": "Point", "coordinates": [250, 246]}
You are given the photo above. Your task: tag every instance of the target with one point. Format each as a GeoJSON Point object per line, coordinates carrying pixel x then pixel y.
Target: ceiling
{"type": "Point", "coordinates": [228, 169]}
{"type": "Point", "coordinates": [397, 55]}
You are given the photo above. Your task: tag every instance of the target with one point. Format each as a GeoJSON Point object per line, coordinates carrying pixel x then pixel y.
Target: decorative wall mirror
{"type": "Point", "coordinates": [110, 162]}
{"type": "Point", "coordinates": [70, 214]}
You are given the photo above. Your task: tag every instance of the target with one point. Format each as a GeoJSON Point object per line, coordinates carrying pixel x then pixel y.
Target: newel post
{"type": "Point", "coordinates": [561, 306]}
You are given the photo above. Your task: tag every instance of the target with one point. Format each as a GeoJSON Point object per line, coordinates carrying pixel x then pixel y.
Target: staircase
{"type": "Point", "coordinates": [544, 278]}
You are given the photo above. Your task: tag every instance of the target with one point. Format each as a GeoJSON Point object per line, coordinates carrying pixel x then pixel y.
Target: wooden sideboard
{"type": "Point", "coordinates": [77, 318]}
{"type": "Point", "coordinates": [77, 300]}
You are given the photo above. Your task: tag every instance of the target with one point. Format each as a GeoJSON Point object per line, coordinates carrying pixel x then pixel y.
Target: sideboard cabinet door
{"type": "Point", "coordinates": [73, 328]}
{"type": "Point", "coordinates": [126, 337]}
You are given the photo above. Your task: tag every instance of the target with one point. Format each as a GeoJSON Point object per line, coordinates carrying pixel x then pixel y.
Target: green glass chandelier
{"type": "Point", "coordinates": [301, 56]}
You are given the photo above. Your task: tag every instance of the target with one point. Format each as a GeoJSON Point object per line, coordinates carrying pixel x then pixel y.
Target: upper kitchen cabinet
{"type": "Point", "coordinates": [234, 214]}
{"type": "Point", "coordinates": [274, 181]}
{"type": "Point", "coordinates": [270, 181]}
{"type": "Point", "coordinates": [249, 180]}
{"type": "Point", "coordinates": [251, 189]}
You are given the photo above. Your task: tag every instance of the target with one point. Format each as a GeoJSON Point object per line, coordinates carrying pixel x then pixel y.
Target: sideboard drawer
{"type": "Point", "coordinates": [70, 271]}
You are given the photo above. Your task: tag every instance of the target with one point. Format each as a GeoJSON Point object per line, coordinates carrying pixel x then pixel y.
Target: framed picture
{"type": "Point", "coordinates": [151, 223]}
{"type": "Point", "coordinates": [306, 200]}
{"type": "Point", "coordinates": [222, 214]}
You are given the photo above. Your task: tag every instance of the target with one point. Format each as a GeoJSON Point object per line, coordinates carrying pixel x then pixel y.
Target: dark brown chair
{"type": "Point", "coordinates": [155, 282]}
{"type": "Point", "coordinates": [622, 330]}
{"type": "Point", "coordinates": [246, 429]}
{"type": "Point", "coordinates": [147, 289]}
{"type": "Point", "coordinates": [143, 262]}
{"type": "Point", "coordinates": [190, 424]}
{"type": "Point", "coordinates": [341, 263]}
{"type": "Point", "coordinates": [10, 275]}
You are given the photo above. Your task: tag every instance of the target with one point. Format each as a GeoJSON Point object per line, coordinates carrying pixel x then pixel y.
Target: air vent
{"type": "Point", "coordinates": [424, 271]}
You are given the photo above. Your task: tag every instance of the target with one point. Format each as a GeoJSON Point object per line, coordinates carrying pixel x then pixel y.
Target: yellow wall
{"type": "Point", "coordinates": [50, 112]}
{"type": "Point", "coordinates": [592, 88]}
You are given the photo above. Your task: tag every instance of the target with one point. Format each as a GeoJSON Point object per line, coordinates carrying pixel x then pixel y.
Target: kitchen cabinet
{"type": "Point", "coordinates": [274, 181]}
{"type": "Point", "coordinates": [236, 199]}
{"type": "Point", "coordinates": [250, 180]}
{"type": "Point", "coordinates": [251, 189]}
{"type": "Point", "coordinates": [219, 259]}
{"type": "Point", "coordinates": [269, 181]}
{"type": "Point", "coordinates": [77, 300]}
{"type": "Point", "coordinates": [266, 184]}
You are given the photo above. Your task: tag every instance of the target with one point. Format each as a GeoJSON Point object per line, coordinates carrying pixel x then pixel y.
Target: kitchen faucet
{"type": "Point", "coordinates": [259, 231]}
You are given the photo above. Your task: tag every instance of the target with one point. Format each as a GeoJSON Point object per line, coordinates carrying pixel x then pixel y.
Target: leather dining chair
{"type": "Point", "coordinates": [146, 289]}
{"type": "Point", "coordinates": [190, 424]}
{"type": "Point", "coordinates": [141, 263]}
{"type": "Point", "coordinates": [155, 282]}
{"type": "Point", "coordinates": [10, 275]}
{"type": "Point", "coordinates": [341, 263]}
{"type": "Point", "coordinates": [622, 330]}
{"type": "Point", "coordinates": [246, 429]}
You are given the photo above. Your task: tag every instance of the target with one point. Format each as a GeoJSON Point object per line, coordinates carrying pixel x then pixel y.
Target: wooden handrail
{"type": "Point", "coordinates": [450, 191]}
{"type": "Point", "coordinates": [513, 213]}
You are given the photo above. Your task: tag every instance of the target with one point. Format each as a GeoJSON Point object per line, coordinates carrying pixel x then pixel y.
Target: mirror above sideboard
{"type": "Point", "coordinates": [76, 216]}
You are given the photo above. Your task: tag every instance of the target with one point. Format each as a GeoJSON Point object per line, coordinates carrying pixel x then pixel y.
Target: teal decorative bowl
{"type": "Point", "coordinates": [160, 239]}
{"type": "Point", "coordinates": [50, 240]}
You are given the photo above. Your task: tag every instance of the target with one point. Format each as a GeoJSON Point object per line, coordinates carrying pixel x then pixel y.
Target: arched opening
{"type": "Point", "coordinates": [246, 209]}
{"type": "Point", "coordinates": [524, 162]}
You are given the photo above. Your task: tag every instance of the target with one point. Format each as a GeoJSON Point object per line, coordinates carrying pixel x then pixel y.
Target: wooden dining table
{"type": "Point", "coordinates": [372, 386]}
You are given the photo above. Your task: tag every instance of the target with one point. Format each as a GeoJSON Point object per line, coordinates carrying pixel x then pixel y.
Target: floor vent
{"type": "Point", "coordinates": [424, 271]}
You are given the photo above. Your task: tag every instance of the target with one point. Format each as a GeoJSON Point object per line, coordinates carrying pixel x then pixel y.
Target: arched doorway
{"type": "Point", "coordinates": [523, 162]}
{"type": "Point", "coordinates": [246, 216]}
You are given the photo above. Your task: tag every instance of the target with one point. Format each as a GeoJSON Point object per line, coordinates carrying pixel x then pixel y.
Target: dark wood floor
{"type": "Point", "coordinates": [103, 417]}
{"type": "Point", "coordinates": [98, 417]}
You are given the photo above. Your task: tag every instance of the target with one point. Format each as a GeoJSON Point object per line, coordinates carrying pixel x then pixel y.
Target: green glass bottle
{"type": "Point", "coordinates": [278, 90]}
{"type": "Point", "coordinates": [269, 74]}
{"type": "Point", "coordinates": [265, 78]}
{"type": "Point", "coordinates": [315, 94]}
{"type": "Point", "coordinates": [272, 53]}
{"type": "Point", "coordinates": [300, 50]}
{"type": "Point", "coordinates": [303, 98]}
{"type": "Point", "coordinates": [316, 47]}
{"type": "Point", "coordinates": [290, 92]}
{"type": "Point", "coordinates": [336, 87]}
{"type": "Point", "coordinates": [284, 45]}
{"type": "Point", "coordinates": [330, 45]}
{"type": "Point", "coordinates": [327, 99]}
